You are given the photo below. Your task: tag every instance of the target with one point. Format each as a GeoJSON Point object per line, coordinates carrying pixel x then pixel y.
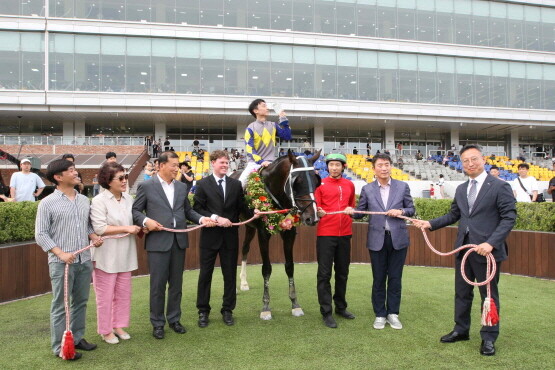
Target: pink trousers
{"type": "Point", "coordinates": [113, 300]}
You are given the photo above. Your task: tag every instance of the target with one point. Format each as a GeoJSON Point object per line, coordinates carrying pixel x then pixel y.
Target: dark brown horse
{"type": "Point", "coordinates": [291, 182]}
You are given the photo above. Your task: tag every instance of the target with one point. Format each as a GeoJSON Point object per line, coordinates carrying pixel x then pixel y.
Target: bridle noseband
{"type": "Point", "coordinates": [288, 188]}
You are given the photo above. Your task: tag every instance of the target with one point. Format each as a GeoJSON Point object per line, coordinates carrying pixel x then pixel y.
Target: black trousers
{"type": "Point", "coordinates": [228, 263]}
{"type": "Point", "coordinates": [166, 269]}
{"type": "Point", "coordinates": [387, 272]}
{"type": "Point", "coordinates": [475, 270]}
{"type": "Point", "coordinates": [330, 250]}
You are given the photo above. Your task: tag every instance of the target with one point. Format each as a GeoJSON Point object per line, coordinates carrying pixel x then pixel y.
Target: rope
{"type": "Point", "coordinates": [489, 318]}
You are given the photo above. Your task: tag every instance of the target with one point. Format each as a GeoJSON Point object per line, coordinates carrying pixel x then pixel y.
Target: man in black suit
{"type": "Point", "coordinates": [220, 198]}
{"type": "Point", "coordinates": [485, 209]}
{"type": "Point", "coordinates": [166, 205]}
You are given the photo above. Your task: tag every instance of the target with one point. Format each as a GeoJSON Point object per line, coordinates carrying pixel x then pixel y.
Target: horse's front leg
{"type": "Point", "coordinates": [288, 242]}
{"type": "Point", "coordinates": [249, 235]}
{"type": "Point", "coordinates": [264, 244]}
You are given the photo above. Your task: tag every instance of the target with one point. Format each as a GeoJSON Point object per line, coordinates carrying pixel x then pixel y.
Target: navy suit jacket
{"type": "Point", "coordinates": [491, 219]}
{"type": "Point", "coordinates": [371, 200]}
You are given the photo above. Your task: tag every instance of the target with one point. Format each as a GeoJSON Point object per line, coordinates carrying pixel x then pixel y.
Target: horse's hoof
{"type": "Point", "coordinates": [297, 312]}
{"type": "Point", "coordinates": [245, 287]}
{"type": "Point", "coordinates": [266, 315]}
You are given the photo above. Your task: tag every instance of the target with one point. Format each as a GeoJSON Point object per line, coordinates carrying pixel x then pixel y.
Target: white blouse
{"type": "Point", "coordinates": [114, 255]}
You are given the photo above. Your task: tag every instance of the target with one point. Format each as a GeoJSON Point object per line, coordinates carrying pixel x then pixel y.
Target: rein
{"type": "Point", "coordinates": [489, 311]}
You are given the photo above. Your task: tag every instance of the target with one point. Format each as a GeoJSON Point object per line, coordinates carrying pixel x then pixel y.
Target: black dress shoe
{"type": "Point", "coordinates": [75, 358]}
{"type": "Point", "coordinates": [454, 337]}
{"type": "Point", "coordinates": [345, 314]}
{"type": "Point", "coordinates": [85, 346]}
{"type": "Point", "coordinates": [487, 348]}
{"type": "Point", "coordinates": [178, 328]}
{"type": "Point", "coordinates": [158, 332]}
{"type": "Point", "coordinates": [227, 316]}
{"type": "Point", "coordinates": [329, 321]}
{"type": "Point", "coordinates": [203, 319]}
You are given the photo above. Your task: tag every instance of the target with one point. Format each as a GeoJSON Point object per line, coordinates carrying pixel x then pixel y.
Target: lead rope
{"type": "Point", "coordinates": [490, 316]}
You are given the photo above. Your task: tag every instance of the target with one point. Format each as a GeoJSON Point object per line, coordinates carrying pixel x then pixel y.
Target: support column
{"type": "Point", "coordinates": [454, 138]}
{"type": "Point", "coordinates": [240, 136]}
{"type": "Point", "coordinates": [79, 128]}
{"type": "Point", "coordinates": [67, 129]}
{"type": "Point", "coordinates": [514, 148]}
{"type": "Point", "coordinates": [389, 139]}
{"type": "Point", "coordinates": [160, 131]}
{"type": "Point", "coordinates": [318, 140]}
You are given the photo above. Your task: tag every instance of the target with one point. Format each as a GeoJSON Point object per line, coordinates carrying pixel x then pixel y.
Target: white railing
{"type": "Point", "coordinates": [70, 140]}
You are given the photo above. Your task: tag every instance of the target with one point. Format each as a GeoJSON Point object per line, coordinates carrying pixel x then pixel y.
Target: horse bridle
{"type": "Point", "coordinates": [288, 188]}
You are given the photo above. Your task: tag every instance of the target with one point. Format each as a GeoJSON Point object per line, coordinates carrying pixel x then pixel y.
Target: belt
{"type": "Point", "coordinates": [388, 232]}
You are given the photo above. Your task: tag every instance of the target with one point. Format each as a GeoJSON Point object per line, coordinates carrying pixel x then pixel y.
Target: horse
{"type": "Point", "coordinates": [290, 181]}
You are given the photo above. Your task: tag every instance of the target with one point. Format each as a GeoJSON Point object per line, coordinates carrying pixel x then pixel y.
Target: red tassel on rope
{"type": "Point", "coordinates": [68, 346]}
{"type": "Point", "coordinates": [490, 317]}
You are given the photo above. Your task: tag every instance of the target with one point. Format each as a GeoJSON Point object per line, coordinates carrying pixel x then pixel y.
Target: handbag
{"type": "Point", "coordinates": [539, 198]}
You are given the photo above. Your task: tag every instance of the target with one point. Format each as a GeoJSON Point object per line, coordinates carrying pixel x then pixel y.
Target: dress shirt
{"type": "Point", "coordinates": [214, 217]}
{"type": "Point", "coordinates": [480, 179]}
{"type": "Point", "coordinates": [384, 193]}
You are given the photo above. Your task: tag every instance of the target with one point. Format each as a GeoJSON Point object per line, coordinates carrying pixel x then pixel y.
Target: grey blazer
{"type": "Point", "coordinates": [371, 200]}
{"type": "Point", "coordinates": [491, 219]}
{"type": "Point", "coordinates": [152, 200]}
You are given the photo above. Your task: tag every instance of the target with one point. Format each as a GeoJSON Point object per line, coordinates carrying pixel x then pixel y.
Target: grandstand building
{"type": "Point", "coordinates": [428, 74]}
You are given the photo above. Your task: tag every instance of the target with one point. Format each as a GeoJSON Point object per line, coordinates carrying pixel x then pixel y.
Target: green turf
{"type": "Point", "coordinates": [288, 342]}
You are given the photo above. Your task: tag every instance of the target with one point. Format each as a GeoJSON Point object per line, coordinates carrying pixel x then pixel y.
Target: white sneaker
{"type": "Point", "coordinates": [379, 323]}
{"type": "Point", "coordinates": [393, 320]}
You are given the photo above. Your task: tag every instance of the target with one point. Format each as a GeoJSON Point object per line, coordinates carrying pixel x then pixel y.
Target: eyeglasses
{"type": "Point", "coordinates": [473, 160]}
{"type": "Point", "coordinates": [122, 177]}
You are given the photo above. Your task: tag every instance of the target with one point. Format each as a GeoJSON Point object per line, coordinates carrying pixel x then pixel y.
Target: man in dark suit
{"type": "Point", "coordinates": [485, 209]}
{"type": "Point", "coordinates": [220, 198]}
{"type": "Point", "coordinates": [166, 205]}
{"type": "Point", "coordinates": [388, 239]}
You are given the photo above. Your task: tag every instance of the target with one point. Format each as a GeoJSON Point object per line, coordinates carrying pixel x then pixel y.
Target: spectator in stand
{"type": "Point", "coordinates": [368, 147]}
{"type": "Point", "coordinates": [419, 156]}
{"type": "Point", "coordinates": [494, 171]}
{"type": "Point", "coordinates": [400, 148]}
{"type": "Point", "coordinates": [521, 155]}
{"type": "Point", "coordinates": [79, 187]}
{"type": "Point", "coordinates": [441, 184]}
{"type": "Point", "coordinates": [525, 188]}
{"type": "Point", "coordinates": [155, 149]}
{"type": "Point", "coordinates": [111, 157]}
{"type": "Point", "coordinates": [25, 185]}
{"type": "Point", "coordinates": [95, 185]}
{"type": "Point", "coordinates": [167, 144]}
{"type": "Point", "coordinates": [400, 162]}
{"type": "Point", "coordinates": [113, 262]}
{"type": "Point", "coordinates": [387, 152]}
{"type": "Point", "coordinates": [149, 170]}
{"type": "Point", "coordinates": [492, 157]}
{"type": "Point", "coordinates": [187, 177]}
{"type": "Point", "coordinates": [355, 151]}
{"type": "Point", "coordinates": [551, 186]}
{"type": "Point", "coordinates": [200, 155]}
{"type": "Point", "coordinates": [196, 143]}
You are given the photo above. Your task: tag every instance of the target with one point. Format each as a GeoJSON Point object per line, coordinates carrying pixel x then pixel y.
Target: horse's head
{"type": "Point", "coordinates": [300, 186]}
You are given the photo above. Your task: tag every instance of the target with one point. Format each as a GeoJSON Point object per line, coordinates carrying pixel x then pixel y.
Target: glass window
{"type": "Point", "coordinates": [212, 67]}
{"type": "Point", "coordinates": [325, 73]}
{"type": "Point", "coordinates": [368, 75]}
{"type": "Point", "coordinates": [347, 74]}
{"type": "Point", "coordinates": [282, 14]}
{"type": "Point", "coordinates": [534, 85]}
{"type": "Point", "coordinates": [482, 82]}
{"type": "Point", "coordinates": [366, 18]}
{"type": "Point", "coordinates": [109, 9]}
{"type": "Point", "coordinates": [235, 55]}
{"type": "Point", "coordinates": [427, 79]}
{"type": "Point", "coordinates": [500, 76]}
{"type": "Point", "coordinates": [138, 64]}
{"type": "Point", "coordinates": [163, 11]}
{"type": "Point", "coordinates": [282, 70]}
{"type": "Point", "coordinates": [532, 25]}
{"type": "Point", "coordinates": [346, 19]}
{"type": "Point", "coordinates": [87, 63]}
{"type": "Point", "coordinates": [446, 80]}
{"type": "Point", "coordinates": [480, 19]}
{"type": "Point", "coordinates": [59, 8]}
{"type": "Point", "coordinates": [387, 26]}
{"type": "Point", "coordinates": [112, 63]}
{"type": "Point", "coordinates": [444, 27]}
{"type": "Point", "coordinates": [548, 29]}
{"type": "Point", "coordinates": [88, 9]}
{"type": "Point", "coordinates": [303, 79]}
{"type": "Point", "coordinates": [32, 61]}
{"type": "Point", "coordinates": [463, 10]}
{"type": "Point", "coordinates": [498, 25]}
{"type": "Point", "coordinates": [425, 20]}
{"type": "Point", "coordinates": [388, 76]}
{"type": "Point", "coordinates": [515, 26]}
{"type": "Point", "coordinates": [259, 69]}
{"type": "Point", "coordinates": [187, 12]}
{"type": "Point", "coordinates": [163, 65]}
{"type": "Point", "coordinates": [406, 19]}
{"type": "Point", "coordinates": [517, 85]}
{"type": "Point", "coordinates": [235, 13]}
{"type": "Point", "coordinates": [303, 15]}
{"type": "Point", "coordinates": [465, 71]}
{"type": "Point", "coordinates": [138, 11]}
{"type": "Point", "coordinates": [9, 7]}
{"type": "Point", "coordinates": [408, 64]}
{"type": "Point", "coordinates": [324, 16]}
{"type": "Point", "coordinates": [187, 67]}
{"type": "Point", "coordinates": [549, 86]}
{"type": "Point", "coordinates": [212, 12]}
{"type": "Point", "coordinates": [259, 13]}
{"type": "Point", "coordinates": [61, 62]}
{"type": "Point", "coordinates": [33, 8]}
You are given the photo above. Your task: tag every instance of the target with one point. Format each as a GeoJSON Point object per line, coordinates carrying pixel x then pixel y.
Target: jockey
{"type": "Point", "coordinates": [260, 138]}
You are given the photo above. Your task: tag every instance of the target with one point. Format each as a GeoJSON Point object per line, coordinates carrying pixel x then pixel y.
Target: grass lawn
{"type": "Point", "coordinates": [287, 342]}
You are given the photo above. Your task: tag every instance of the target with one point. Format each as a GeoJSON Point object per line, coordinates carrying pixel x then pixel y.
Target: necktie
{"type": "Point", "coordinates": [472, 195]}
{"type": "Point", "coordinates": [221, 187]}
